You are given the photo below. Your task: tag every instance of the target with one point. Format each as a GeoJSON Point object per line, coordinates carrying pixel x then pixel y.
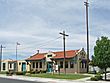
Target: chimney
{"type": "Point", "coordinates": [37, 51]}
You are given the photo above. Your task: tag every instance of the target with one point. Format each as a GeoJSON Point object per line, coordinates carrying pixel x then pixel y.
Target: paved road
{"type": "Point", "coordinates": [5, 80]}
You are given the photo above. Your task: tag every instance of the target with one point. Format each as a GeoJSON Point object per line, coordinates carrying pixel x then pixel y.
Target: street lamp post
{"type": "Point", "coordinates": [87, 26]}
{"type": "Point", "coordinates": [17, 56]}
{"type": "Point", "coordinates": [64, 49]}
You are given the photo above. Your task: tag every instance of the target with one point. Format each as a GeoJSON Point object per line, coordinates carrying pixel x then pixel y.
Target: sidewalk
{"type": "Point", "coordinates": [49, 80]}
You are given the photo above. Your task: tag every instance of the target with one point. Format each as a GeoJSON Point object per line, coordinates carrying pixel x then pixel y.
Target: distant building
{"type": "Point", "coordinates": [76, 61]}
{"type": "Point", "coordinates": [12, 65]}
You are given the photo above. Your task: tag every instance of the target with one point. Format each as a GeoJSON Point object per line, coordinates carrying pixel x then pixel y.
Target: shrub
{"type": "Point", "coordinates": [3, 72]}
{"type": "Point", "coordinates": [32, 72]}
{"type": "Point", "coordinates": [9, 73]}
{"type": "Point", "coordinates": [99, 77]}
{"type": "Point", "coordinates": [94, 79]}
{"type": "Point", "coordinates": [43, 71]}
{"type": "Point", "coordinates": [37, 72]}
{"type": "Point", "coordinates": [28, 72]}
{"type": "Point", "coordinates": [20, 73]}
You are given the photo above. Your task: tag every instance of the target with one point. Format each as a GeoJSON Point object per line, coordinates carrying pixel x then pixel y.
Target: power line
{"type": "Point", "coordinates": [36, 44]}
{"type": "Point", "coordinates": [42, 44]}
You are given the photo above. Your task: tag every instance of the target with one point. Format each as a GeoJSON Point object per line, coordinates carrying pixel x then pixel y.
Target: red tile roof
{"type": "Point", "coordinates": [59, 55]}
{"type": "Point", "coordinates": [37, 57]}
{"type": "Point", "coordinates": [69, 54]}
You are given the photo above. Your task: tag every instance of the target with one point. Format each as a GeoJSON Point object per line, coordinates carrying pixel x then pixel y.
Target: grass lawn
{"type": "Point", "coordinates": [61, 76]}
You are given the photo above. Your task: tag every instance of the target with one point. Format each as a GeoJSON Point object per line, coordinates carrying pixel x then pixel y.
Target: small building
{"type": "Point", "coordinates": [22, 65]}
{"type": "Point", "coordinates": [75, 61]}
{"type": "Point", "coordinates": [8, 65]}
{"type": "Point", "coordinates": [13, 65]}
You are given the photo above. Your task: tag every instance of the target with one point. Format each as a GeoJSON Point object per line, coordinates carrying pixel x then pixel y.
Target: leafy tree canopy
{"type": "Point", "coordinates": [101, 56]}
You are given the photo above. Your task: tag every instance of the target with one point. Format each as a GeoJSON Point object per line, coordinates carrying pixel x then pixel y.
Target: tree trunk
{"type": "Point", "coordinates": [105, 74]}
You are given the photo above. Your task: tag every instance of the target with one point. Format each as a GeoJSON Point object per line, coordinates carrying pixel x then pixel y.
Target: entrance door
{"type": "Point", "coordinates": [49, 67]}
{"type": "Point", "coordinates": [23, 66]}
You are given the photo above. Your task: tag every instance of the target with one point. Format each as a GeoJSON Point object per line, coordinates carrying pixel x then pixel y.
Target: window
{"type": "Point", "coordinates": [71, 64]}
{"type": "Point", "coordinates": [10, 65]}
{"type": "Point", "coordinates": [36, 64]}
{"type": "Point", "coordinates": [55, 62]}
{"type": "Point", "coordinates": [33, 65]}
{"type": "Point", "coordinates": [4, 65]}
{"type": "Point", "coordinates": [40, 64]}
{"type": "Point", "coordinates": [66, 64]}
{"type": "Point", "coordinates": [49, 56]}
{"type": "Point", "coordinates": [82, 65]}
{"type": "Point", "coordinates": [61, 64]}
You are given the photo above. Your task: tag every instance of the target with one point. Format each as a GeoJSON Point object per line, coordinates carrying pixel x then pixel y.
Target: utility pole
{"type": "Point", "coordinates": [64, 49]}
{"type": "Point", "coordinates": [87, 4]}
{"type": "Point", "coordinates": [1, 52]}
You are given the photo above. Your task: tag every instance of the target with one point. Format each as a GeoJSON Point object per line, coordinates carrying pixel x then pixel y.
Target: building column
{"type": "Point", "coordinates": [38, 65]}
{"type": "Point", "coordinates": [31, 65]}
{"type": "Point", "coordinates": [34, 65]}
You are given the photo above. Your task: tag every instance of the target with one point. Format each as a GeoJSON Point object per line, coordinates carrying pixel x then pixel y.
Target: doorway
{"type": "Point", "coordinates": [23, 66]}
{"type": "Point", "coordinates": [49, 67]}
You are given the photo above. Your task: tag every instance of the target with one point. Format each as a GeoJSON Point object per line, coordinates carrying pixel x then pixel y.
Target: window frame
{"type": "Point", "coordinates": [61, 64]}
{"type": "Point", "coordinates": [33, 65]}
{"type": "Point", "coordinates": [66, 64]}
{"type": "Point", "coordinates": [40, 64]}
{"type": "Point", "coordinates": [36, 64]}
{"type": "Point", "coordinates": [4, 66]}
{"type": "Point", "coordinates": [71, 64]}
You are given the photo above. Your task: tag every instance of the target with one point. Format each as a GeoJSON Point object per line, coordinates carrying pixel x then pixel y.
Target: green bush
{"type": "Point", "coordinates": [94, 79]}
{"type": "Point", "coordinates": [28, 72]}
{"type": "Point", "coordinates": [43, 71]}
{"type": "Point", "coordinates": [3, 72]}
{"type": "Point", "coordinates": [36, 72]}
{"type": "Point", "coordinates": [9, 73]}
{"type": "Point", "coordinates": [32, 72]}
{"type": "Point", "coordinates": [99, 77]}
{"type": "Point", "coordinates": [20, 73]}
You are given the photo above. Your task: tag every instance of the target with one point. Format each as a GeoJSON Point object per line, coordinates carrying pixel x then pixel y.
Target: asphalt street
{"type": "Point", "coordinates": [5, 80]}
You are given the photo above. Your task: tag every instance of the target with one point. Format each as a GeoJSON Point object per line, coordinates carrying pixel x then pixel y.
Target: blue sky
{"type": "Point", "coordinates": [36, 24]}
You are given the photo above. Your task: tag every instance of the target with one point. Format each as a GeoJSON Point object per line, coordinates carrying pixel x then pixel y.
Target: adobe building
{"type": "Point", "coordinates": [75, 61]}
{"type": "Point", "coordinates": [13, 65]}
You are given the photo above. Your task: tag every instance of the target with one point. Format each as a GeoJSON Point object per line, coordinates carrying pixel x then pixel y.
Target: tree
{"type": "Point", "coordinates": [101, 56]}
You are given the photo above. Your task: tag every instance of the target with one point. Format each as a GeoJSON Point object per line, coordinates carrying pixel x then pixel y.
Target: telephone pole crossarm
{"type": "Point", "coordinates": [64, 35]}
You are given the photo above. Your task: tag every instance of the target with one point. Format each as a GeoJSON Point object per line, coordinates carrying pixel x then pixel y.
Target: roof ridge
{"type": "Point", "coordinates": [67, 50]}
